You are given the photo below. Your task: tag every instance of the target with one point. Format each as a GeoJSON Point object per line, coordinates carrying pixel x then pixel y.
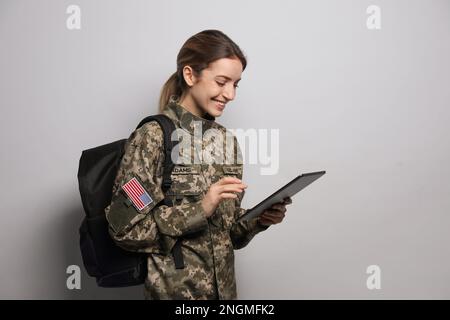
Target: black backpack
{"type": "Point", "coordinates": [111, 265]}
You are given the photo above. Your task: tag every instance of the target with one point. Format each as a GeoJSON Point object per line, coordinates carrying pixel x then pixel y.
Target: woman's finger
{"type": "Point", "coordinates": [271, 220]}
{"type": "Point", "coordinates": [280, 207]}
{"type": "Point", "coordinates": [228, 180]}
{"type": "Point", "coordinates": [273, 214]}
{"type": "Point", "coordinates": [232, 188]}
{"type": "Point", "coordinates": [228, 195]}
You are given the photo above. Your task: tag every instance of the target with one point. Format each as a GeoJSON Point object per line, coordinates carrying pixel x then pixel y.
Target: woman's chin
{"type": "Point", "coordinates": [215, 112]}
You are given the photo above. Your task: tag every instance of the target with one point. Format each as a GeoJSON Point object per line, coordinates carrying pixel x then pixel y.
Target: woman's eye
{"type": "Point", "coordinates": [222, 84]}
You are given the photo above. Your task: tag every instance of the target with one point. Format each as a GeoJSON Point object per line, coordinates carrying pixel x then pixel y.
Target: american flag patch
{"type": "Point", "coordinates": [137, 194]}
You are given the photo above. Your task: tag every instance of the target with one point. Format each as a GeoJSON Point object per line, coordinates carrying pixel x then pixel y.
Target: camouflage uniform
{"type": "Point", "coordinates": [208, 243]}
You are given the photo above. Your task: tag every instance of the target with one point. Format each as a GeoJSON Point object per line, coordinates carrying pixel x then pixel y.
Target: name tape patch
{"type": "Point", "coordinates": [184, 170]}
{"type": "Point", "coordinates": [231, 170]}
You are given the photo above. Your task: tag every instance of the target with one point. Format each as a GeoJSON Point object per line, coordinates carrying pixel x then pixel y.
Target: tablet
{"type": "Point", "coordinates": [288, 190]}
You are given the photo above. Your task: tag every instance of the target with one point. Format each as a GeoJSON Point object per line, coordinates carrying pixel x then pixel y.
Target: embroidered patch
{"type": "Point", "coordinates": [184, 170]}
{"type": "Point", "coordinates": [137, 194]}
{"type": "Point", "coordinates": [231, 170]}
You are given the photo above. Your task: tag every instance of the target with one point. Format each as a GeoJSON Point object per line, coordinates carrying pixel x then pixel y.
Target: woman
{"type": "Point", "coordinates": [205, 195]}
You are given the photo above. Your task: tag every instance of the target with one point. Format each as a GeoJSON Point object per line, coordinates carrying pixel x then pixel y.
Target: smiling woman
{"type": "Point", "coordinates": [209, 92]}
{"type": "Point", "coordinates": [190, 231]}
{"type": "Point", "coordinates": [209, 68]}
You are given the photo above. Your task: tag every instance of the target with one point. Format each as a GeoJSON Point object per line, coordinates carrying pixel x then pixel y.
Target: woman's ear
{"type": "Point", "coordinates": [188, 75]}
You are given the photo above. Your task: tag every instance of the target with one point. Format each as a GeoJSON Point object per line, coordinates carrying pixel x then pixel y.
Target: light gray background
{"type": "Point", "coordinates": [371, 107]}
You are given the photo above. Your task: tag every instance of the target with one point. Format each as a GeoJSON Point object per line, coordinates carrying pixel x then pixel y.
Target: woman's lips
{"type": "Point", "coordinates": [219, 105]}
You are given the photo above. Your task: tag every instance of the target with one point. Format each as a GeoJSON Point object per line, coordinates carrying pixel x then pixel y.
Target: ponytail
{"type": "Point", "coordinates": [170, 89]}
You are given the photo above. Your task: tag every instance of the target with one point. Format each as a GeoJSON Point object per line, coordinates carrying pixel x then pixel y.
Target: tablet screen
{"type": "Point", "coordinates": [288, 190]}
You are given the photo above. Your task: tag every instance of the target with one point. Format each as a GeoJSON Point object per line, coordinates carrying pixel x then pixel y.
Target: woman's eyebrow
{"type": "Point", "coordinates": [228, 78]}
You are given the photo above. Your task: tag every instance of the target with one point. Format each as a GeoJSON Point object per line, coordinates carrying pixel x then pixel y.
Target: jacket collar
{"type": "Point", "coordinates": [188, 120]}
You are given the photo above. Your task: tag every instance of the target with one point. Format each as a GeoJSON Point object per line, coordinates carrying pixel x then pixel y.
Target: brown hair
{"type": "Point", "coordinates": [198, 52]}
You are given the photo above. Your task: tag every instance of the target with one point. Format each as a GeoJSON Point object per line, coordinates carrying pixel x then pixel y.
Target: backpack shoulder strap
{"type": "Point", "coordinates": [168, 127]}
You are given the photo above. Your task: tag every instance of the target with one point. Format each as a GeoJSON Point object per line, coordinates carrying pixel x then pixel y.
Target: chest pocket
{"type": "Point", "coordinates": [187, 184]}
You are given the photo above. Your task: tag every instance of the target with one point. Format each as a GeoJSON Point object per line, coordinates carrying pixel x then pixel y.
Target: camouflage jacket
{"type": "Point", "coordinates": [207, 243]}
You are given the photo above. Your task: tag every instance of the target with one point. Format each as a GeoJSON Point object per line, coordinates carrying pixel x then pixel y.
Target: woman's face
{"type": "Point", "coordinates": [215, 87]}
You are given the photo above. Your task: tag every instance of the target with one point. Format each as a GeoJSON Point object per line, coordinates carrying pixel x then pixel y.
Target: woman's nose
{"type": "Point", "coordinates": [229, 93]}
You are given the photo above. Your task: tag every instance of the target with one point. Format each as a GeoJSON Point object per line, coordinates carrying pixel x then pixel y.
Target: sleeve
{"type": "Point", "coordinates": [152, 228]}
{"type": "Point", "coordinates": [243, 232]}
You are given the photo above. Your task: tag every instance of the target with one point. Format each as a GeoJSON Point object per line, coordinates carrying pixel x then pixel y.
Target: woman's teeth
{"type": "Point", "coordinates": [220, 102]}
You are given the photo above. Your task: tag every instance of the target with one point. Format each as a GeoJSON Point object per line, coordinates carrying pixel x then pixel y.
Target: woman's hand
{"type": "Point", "coordinates": [225, 188]}
{"type": "Point", "coordinates": [275, 214]}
